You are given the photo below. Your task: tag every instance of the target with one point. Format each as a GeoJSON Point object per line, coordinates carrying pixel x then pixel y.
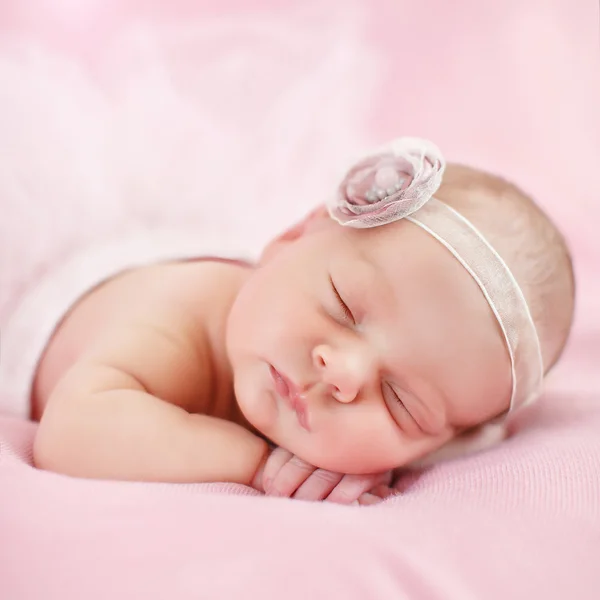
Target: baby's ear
{"type": "Point", "coordinates": [316, 219]}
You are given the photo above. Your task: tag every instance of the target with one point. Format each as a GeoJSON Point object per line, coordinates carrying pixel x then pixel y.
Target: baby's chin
{"type": "Point", "coordinates": [337, 462]}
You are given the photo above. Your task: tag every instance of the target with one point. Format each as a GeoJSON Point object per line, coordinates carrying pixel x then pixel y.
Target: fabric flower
{"type": "Point", "coordinates": [389, 185]}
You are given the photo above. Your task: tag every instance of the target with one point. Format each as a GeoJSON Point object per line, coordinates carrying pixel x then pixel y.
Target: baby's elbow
{"type": "Point", "coordinates": [44, 449]}
{"type": "Point", "coordinates": [54, 446]}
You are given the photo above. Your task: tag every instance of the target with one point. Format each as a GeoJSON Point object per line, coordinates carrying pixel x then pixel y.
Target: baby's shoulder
{"type": "Point", "coordinates": [151, 321]}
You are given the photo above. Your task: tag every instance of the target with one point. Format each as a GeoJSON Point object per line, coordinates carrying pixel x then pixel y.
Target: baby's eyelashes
{"type": "Point", "coordinates": [399, 411]}
{"type": "Point", "coordinates": [347, 316]}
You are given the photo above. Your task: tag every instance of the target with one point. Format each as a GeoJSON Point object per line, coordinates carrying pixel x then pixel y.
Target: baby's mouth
{"type": "Point", "coordinates": [289, 393]}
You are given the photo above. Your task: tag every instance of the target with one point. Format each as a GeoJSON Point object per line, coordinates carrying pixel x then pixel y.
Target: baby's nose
{"type": "Point", "coordinates": [340, 369]}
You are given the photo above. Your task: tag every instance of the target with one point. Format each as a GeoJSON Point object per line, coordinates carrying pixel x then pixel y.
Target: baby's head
{"type": "Point", "coordinates": [363, 349]}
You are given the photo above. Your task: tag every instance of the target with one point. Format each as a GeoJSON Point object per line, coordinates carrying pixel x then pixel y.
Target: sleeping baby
{"type": "Point", "coordinates": [399, 324]}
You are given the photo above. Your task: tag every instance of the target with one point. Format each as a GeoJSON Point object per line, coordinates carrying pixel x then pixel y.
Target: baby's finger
{"type": "Point", "coordinates": [367, 499]}
{"type": "Point", "coordinates": [351, 487]}
{"type": "Point", "coordinates": [278, 457]}
{"type": "Point", "coordinates": [290, 477]}
{"type": "Point", "coordinates": [383, 491]}
{"type": "Point", "coordinates": [318, 486]}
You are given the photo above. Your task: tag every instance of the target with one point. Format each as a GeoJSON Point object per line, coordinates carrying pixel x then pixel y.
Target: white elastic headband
{"type": "Point", "coordinates": [398, 181]}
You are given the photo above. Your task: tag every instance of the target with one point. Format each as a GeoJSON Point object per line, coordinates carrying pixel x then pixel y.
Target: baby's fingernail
{"type": "Point", "coordinates": [369, 499]}
{"type": "Point", "coordinates": [266, 484]}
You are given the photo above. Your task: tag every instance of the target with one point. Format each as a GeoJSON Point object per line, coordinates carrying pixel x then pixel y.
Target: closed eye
{"type": "Point", "coordinates": [348, 316]}
{"type": "Point", "coordinates": [400, 405]}
{"type": "Point", "coordinates": [394, 395]}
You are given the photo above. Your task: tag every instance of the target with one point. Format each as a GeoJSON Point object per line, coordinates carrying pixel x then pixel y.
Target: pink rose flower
{"type": "Point", "coordinates": [389, 185]}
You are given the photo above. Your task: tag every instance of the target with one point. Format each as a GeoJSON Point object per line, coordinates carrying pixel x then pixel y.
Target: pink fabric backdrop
{"type": "Point", "coordinates": [120, 113]}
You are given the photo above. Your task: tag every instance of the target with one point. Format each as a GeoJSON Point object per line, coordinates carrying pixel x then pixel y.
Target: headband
{"type": "Point", "coordinates": [398, 182]}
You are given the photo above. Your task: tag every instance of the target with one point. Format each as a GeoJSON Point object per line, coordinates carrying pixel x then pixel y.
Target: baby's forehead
{"type": "Point", "coordinates": [402, 261]}
{"type": "Point", "coordinates": [396, 243]}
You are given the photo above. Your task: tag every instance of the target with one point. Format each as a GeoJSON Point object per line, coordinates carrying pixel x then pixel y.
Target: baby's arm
{"type": "Point", "coordinates": [105, 420]}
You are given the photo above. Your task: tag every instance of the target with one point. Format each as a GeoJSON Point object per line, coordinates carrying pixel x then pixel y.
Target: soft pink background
{"type": "Point", "coordinates": [214, 114]}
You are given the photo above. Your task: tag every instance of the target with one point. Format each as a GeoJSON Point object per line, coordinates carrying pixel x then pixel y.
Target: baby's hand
{"type": "Point", "coordinates": [288, 476]}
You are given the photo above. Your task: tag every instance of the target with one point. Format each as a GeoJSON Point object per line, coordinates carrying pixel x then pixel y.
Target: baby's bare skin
{"type": "Point", "coordinates": [141, 348]}
{"type": "Point", "coordinates": [136, 364]}
{"type": "Point", "coordinates": [175, 300]}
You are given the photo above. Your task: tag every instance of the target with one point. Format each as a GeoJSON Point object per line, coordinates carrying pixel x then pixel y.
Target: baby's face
{"type": "Point", "coordinates": [362, 350]}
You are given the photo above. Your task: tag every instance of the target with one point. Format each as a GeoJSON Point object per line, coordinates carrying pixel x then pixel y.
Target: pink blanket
{"type": "Point", "coordinates": [113, 118]}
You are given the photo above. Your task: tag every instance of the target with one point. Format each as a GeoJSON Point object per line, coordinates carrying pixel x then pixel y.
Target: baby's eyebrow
{"type": "Point", "coordinates": [378, 285]}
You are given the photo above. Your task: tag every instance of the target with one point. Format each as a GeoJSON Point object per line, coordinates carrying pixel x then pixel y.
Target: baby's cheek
{"type": "Point", "coordinates": [394, 449]}
{"type": "Point", "coordinates": [355, 450]}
